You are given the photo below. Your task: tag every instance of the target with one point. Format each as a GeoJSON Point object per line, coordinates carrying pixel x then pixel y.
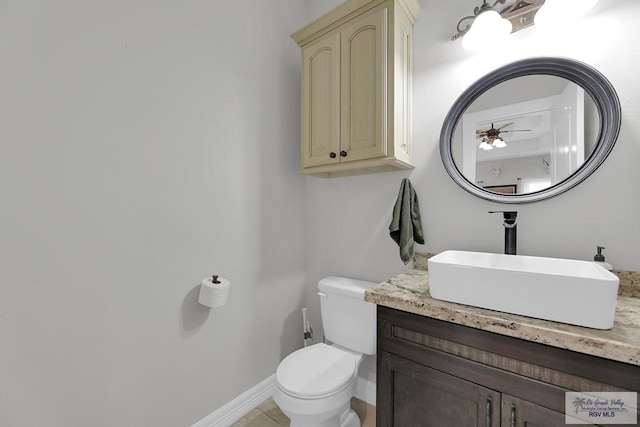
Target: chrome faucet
{"type": "Point", "coordinates": [510, 228]}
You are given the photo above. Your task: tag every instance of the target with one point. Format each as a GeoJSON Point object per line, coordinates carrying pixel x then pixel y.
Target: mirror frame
{"type": "Point", "coordinates": [591, 80]}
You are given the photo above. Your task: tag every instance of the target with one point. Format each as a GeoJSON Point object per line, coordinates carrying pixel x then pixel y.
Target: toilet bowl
{"type": "Point", "coordinates": [314, 385]}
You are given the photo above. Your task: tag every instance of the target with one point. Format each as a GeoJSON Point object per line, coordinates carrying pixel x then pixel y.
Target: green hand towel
{"type": "Point", "coordinates": [406, 227]}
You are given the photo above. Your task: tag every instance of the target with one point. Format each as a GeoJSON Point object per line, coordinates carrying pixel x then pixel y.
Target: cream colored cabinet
{"type": "Point", "coordinates": [356, 88]}
{"type": "Point", "coordinates": [321, 97]}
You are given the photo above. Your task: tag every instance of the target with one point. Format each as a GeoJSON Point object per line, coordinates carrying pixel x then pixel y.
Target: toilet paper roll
{"type": "Point", "coordinates": [214, 294]}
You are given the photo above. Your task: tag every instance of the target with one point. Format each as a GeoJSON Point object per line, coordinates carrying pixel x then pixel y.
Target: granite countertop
{"type": "Point", "coordinates": [410, 292]}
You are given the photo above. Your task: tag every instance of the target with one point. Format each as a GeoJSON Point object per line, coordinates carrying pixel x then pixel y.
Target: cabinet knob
{"type": "Point", "coordinates": [343, 153]}
{"type": "Point", "coordinates": [332, 155]}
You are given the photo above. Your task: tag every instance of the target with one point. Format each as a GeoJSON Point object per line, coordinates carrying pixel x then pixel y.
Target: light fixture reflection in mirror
{"type": "Point", "coordinates": [520, 122]}
{"type": "Point", "coordinates": [558, 118]}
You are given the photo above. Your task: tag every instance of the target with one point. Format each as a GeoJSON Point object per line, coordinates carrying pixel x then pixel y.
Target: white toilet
{"type": "Point", "coordinates": [315, 384]}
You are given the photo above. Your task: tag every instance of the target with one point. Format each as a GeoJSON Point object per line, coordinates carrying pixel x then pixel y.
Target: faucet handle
{"type": "Point", "coordinates": [510, 213]}
{"type": "Point", "coordinates": [509, 216]}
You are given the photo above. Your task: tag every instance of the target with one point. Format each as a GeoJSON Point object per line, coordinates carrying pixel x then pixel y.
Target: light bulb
{"type": "Point", "coordinates": [485, 146]}
{"type": "Point", "coordinates": [560, 13]}
{"type": "Point", "coordinates": [499, 143]}
{"type": "Point", "coordinates": [487, 29]}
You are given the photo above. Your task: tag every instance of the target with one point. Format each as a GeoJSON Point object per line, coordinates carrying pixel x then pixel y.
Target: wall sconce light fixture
{"type": "Point", "coordinates": [487, 25]}
{"type": "Point", "coordinates": [562, 12]}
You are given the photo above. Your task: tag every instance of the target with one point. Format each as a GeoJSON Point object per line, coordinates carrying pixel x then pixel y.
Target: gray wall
{"type": "Point", "coordinates": [144, 146]}
{"type": "Point", "coordinates": [348, 217]}
{"type": "Point", "coordinates": [148, 145]}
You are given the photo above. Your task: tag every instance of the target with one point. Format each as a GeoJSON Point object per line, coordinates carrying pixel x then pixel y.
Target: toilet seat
{"type": "Point", "coordinates": [316, 371]}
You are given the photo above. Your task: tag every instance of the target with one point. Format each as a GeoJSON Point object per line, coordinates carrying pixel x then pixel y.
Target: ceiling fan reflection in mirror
{"type": "Point", "coordinates": [491, 137]}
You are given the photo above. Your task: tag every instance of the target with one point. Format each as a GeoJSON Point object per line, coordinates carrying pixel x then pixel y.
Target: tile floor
{"type": "Point", "coordinates": [267, 414]}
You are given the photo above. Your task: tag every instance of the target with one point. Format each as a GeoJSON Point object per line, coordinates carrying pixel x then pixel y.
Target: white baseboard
{"type": "Point", "coordinates": [243, 404]}
{"type": "Point", "coordinates": [366, 390]}
{"type": "Point", "coordinates": [240, 406]}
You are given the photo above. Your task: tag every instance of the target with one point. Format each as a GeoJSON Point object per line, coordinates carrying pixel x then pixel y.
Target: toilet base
{"type": "Point", "coordinates": [348, 418]}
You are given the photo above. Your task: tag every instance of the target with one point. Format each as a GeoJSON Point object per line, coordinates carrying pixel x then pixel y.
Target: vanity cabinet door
{"type": "Point", "coordinates": [520, 413]}
{"type": "Point", "coordinates": [435, 373]}
{"type": "Point", "coordinates": [423, 397]}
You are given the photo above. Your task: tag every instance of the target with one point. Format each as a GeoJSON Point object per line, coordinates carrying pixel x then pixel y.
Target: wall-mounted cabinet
{"type": "Point", "coordinates": [356, 88]}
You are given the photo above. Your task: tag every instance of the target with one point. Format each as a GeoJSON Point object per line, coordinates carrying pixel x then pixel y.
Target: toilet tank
{"type": "Point", "coordinates": [348, 320]}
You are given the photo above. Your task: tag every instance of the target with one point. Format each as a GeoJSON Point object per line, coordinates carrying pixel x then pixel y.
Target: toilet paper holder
{"type": "Point", "coordinates": [214, 291]}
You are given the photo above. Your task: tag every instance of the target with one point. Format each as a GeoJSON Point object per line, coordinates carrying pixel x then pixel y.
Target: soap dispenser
{"type": "Point", "coordinates": [599, 259]}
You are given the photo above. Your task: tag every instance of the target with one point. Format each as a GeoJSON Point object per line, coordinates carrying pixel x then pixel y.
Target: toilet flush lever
{"type": "Point", "coordinates": [322, 294]}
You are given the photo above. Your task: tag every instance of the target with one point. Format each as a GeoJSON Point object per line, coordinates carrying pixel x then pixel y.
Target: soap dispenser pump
{"type": "Point", "coordinates": [599, 259]}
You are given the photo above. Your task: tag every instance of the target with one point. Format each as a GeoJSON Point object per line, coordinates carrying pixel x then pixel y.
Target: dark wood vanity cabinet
{"type": "Point", "coordinates": [421, 396]}
{"type": "Point", "coordinates": [436, 373]}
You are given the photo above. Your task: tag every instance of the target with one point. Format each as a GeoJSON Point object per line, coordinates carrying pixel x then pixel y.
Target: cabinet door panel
{"type": "Point", "coordinates": [321, 102]}
{"type": "Point", "coordinates": [520, 413]}
{"type": "Point", "coordinates": [403, 80]}
{"type": "Point", "coordinates": [425, 397]}
{"type": "Point", "coordinates": [364, 97]}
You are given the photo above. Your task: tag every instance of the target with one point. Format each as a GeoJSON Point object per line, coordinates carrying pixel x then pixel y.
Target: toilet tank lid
{"type": "Point", "coordinates": [344, 286]}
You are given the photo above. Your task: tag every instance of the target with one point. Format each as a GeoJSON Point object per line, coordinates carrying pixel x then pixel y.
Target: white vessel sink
{"type": "Point", "coordinates": [569, 291]}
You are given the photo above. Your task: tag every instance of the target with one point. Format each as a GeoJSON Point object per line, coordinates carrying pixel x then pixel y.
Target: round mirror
{"type": "Point", "coordinates": [530, 130]}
